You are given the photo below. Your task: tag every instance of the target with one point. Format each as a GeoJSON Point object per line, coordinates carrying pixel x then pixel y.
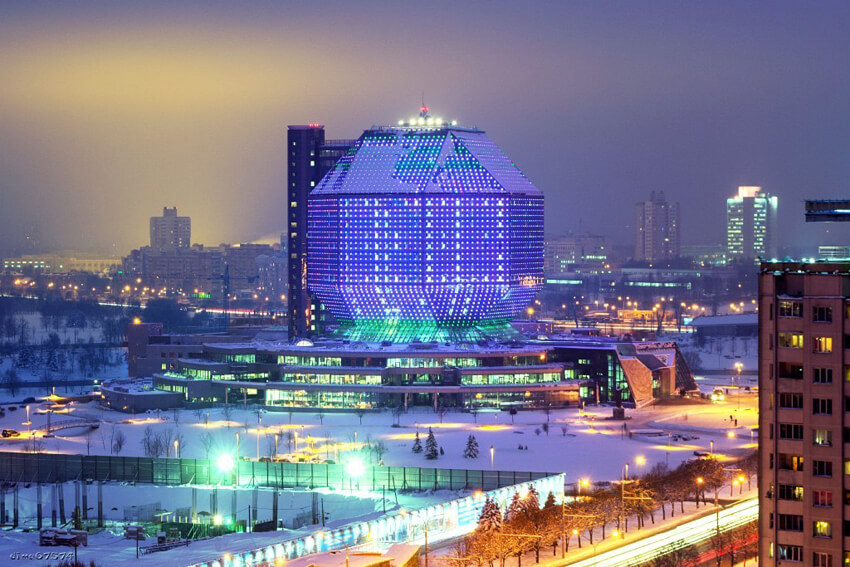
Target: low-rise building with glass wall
{"type": "Point", "coordinates": [341, 375]}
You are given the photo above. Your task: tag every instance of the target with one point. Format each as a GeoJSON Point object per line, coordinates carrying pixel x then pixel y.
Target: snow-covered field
{"type": "Point", "coordinates": [580, 444]}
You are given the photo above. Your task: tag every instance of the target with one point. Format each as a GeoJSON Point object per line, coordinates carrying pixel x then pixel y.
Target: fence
{"type": "Point", "coordinates": [50, 468]}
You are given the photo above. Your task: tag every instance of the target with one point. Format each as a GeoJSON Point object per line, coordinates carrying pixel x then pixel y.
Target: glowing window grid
{"type": "Point", "coordinates": [433, 226]}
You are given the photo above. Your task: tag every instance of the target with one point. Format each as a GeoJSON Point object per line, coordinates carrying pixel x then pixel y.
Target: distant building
{"type": "Point", "coordinates": [61, 263]}
{"type": "Point", "coordinates": [576, 253]}
{"type": "Point", "coordinates": [705, 254]}
{"type": "Point", "coordinates": [834, 252]}
{"type": "Point", "coordinates": [751, 224]}
{"type": "Point", "coordinates": [656, 229]}
{"type": "Point", "coordinates": [170, 232]}
{"type": "Point", "coordinates": [197, 271]}
{"type": "Point", "coordinates": [310, 157]}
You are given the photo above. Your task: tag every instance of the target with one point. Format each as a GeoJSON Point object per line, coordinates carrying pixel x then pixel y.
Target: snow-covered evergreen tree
{"type": "Point", "coordinates": [417, 444]}
{"type": "Point", "coordinates": [471, 450]}
{"type": "Point", "coordinates": [515, 508]}
{"type": "Point", "coordinates": [490, 519]}
{"type": "Point", "coordinates": [431, 449]}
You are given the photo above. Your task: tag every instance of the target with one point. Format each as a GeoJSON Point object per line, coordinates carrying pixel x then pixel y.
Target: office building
{"type": "Point", "coordinates": [170, 232]}
{"type": "Point", "coordinates": [309, 158]}
{"type": "Point", "coordinates": [804, 426]}
{"type": "Point", "coordinates": [657, 228]}
{"type": "Point", "coordinates": [751, 231]}
{"type": "Point", "coordinates": [576, 253]}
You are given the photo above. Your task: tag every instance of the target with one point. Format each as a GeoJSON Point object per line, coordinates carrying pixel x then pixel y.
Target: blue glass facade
{"type": "Point", "coordinates": [424, 232]}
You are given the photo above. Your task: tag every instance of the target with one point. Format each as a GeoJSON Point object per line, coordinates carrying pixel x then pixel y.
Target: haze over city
{"type": "Point", "coordinates": [111, 110]}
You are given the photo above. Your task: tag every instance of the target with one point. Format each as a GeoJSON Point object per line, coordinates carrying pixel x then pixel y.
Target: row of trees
{"type": "Point", "coordinates": [527, 526]}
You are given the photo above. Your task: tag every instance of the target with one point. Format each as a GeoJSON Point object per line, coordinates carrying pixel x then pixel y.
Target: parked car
{"type": "Point", "coordinates": [10, 433]}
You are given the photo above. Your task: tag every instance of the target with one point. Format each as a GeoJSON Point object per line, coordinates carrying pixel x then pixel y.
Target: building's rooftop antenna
{"type": "Point", "coordinates": [424, 110]}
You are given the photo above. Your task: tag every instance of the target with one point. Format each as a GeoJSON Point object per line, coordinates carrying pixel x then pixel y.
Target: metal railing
{"type": "Point", "coordinates": [50, 468]}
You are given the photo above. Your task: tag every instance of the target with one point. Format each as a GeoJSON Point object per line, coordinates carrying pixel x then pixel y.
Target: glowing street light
{"type": "Point", "coordinates": [225, 463]}
{"type": "Point", "coordinates": [492, 457]}
{"type": "Point", "coordinates": [176, 449]}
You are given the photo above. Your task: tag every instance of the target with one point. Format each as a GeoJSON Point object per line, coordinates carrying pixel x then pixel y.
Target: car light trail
{"type": "Point", "coordinates": [680, 537]}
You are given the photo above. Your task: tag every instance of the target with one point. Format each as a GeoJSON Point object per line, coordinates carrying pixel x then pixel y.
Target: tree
{"type": "Point", "coordinates": [360, 413]}
{"type": "Point", "coordinates": [207, 443]}
{"type": "Point", "coordinates": [490, 520]}
{"type": "Point", "coordinates": [431, 448]}
{"type": "Point", "coordinates": [417, 444]}
{"type": "Point", "coordinates": [471, 450]}
{"type": "Point", "coordinates": [379, 448]}
{"type": "Point", "coordinates": [11, 380]}
{"type": "Point", "coordinates": [118, 440]}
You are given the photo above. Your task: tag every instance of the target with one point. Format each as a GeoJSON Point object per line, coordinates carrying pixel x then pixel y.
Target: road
{"type": "Point", "coordinates": [681, 536]}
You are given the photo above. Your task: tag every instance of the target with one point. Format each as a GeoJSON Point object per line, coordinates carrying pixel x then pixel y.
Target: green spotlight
{"type": "Point", "coordinates": [355, 467]}
{"type": "Point", "coordinates": [225, 463]}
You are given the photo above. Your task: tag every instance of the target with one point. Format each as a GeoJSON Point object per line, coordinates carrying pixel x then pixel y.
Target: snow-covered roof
{"type": "Point", "coordinates": [738, 319]}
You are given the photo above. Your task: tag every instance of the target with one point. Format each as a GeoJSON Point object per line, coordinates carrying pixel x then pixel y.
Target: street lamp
{"type": "Point", "coordinates": [176, 449]}
{"type": "Point", "coordinates": [492, 457]}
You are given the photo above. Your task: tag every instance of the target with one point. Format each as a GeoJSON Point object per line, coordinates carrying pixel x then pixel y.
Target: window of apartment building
{"type": "Point", "coordinates": [822, 468]}
{"type": "Point", "coordinates": [793, 371]}
{"type": "Point", "coordinates": [790, 400]}
{"type": "Point", "coordinates": [823, 345]}
{"type": "Point", "coordinates": [822, 376]}
{"type": "Point", "coordinates": [847, 434]}
{"type": "Point", "coordinates": [791, 522]}
{"type": "Point", "coordinates": [823, 437]}
{"type": "Point", "coordinates": [789, 462]}
{"type": "Point", "coordinates": [822, 498]}
{"type": "Point", "coordinates": [791, 340]}
{"type": "Point", "coordinates": [822, 314]}
{"type": "Point", "coordinates": [790, 492]}
{"type": "Point", "coordinates": [790, 309]}
{"type": "Point", "coordinates": [821, 528]}
{"type": "Point", "coordinates": [790, 552]}
{"type": "Point", "coordinates": [821, 406]}
{"type": "Point", "coordinates": [792, 431]}
{"type": "Point", "coordinates": [847, 467]}
{"type": "Point", "coordinates": [821, 559]}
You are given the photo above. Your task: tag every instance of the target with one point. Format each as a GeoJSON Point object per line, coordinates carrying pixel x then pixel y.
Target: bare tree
{"type": "Point", "coordinates": [207, 441]}
{"type": "Point", "coordinates": [360, 413]}
{"type": "Point", "coordinates": [118, 441]}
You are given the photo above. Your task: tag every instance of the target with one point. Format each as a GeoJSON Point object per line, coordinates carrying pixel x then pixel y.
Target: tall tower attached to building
{"type": "Point", "coordinates": [170, 232]}
{"type": "Point", "coordinates": [656, 229]}
{"type": "Point", "coordinates": [309, 157]}
{"type": "Point", "coordinates": [751, 224]}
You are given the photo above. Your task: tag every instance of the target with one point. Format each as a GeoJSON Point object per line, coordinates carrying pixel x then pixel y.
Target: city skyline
{"type": "Point", "coordinates": [112, 112]}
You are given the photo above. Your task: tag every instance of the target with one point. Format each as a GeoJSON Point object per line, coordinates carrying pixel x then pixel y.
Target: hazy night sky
{"type": "Point", "coordinates": [110, 111]}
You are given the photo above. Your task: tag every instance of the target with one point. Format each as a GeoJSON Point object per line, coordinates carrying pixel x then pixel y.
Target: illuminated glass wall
{"type": "Point", "coordinates": [425, 233]}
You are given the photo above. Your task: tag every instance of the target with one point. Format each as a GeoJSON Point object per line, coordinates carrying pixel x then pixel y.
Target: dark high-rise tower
{"type": "Point", "coordinates": [309, 157]}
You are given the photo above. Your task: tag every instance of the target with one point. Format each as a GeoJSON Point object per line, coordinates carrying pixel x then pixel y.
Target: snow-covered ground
{"type": "Point", "coordinates": [580, 444]}
{"type": "Point", "coordinates": [718, 354]}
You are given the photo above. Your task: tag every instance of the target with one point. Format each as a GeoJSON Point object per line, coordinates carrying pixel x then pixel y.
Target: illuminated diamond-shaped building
{"type": "Point", "coordinates": [425, 231]}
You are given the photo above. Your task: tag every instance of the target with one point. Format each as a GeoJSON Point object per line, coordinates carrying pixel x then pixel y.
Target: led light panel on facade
{"type": "Point", "coordinates": [429, 230]}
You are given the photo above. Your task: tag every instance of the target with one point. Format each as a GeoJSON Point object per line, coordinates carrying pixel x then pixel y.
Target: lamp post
{"type": "Point", "coordinates": [492, 457]}
{"type": "Point", "coordinates": [176, 449]}
{"type": "Point", "coordinates": [275, 446]}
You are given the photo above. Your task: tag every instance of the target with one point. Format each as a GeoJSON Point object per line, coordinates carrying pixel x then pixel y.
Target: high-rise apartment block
{"type": "Point", "coordinates": [804, 424]}
{"type": "Point", "coordinates": [751, 224]}
{"type": "Point", "coordinates": [170, 232]}
{"type": "Point", "coordinates": [656, 229]}
{"type": "Point", "coordinates": [309, 158]}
